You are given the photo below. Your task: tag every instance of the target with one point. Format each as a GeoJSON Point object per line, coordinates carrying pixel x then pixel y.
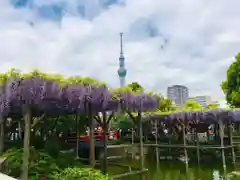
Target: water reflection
{"type": "Point", "coordinates": [216, 175]}
{"type": "Point", "coordinates": [174, 171]}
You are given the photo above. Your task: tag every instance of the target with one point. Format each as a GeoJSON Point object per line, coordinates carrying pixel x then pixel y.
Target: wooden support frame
{"type": "Point", "coordinates": [105, 130]}
{"type": "Point", "coordinates": [230, 129]}
{"type": "Point", "coordinates": [197, 141]}
{"type": "Point", "coordinates": [221, 133]}
{"type": "Point", "coordinates": [185, 143]}
{"type": "Point", "coordinates": [77, 134]}
{"type": "Point", "coordinates": [92, 160]}
{"type": "Point", "coordinates": [156, 141]}
{"type": "Point", "coordinates": [141, 144]}
{"type": "Point", "coordinates": [219, 129]}
{"type": "Point", "coordinates": [133, 143]}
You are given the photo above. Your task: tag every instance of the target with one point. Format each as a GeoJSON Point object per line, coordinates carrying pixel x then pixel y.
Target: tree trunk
{"type": "Point", "coordinates": [91, 138]}
{"type": "Point", "coordinates": [19, 130]}
{"type": "Point", "coordinates": [26, 144]}
{"type": "Point", "coordinates": [105, 130]}
{"type": "Point", "coordinates": [2, 126]}
{"type": "Point", "coordinates": [77, 135]}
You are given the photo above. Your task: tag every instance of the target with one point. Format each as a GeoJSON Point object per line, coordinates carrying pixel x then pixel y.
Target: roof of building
{"type": "Point", "coordinates": [175, 86]}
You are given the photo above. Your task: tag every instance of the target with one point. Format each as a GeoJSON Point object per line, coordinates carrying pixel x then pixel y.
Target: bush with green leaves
{"type": "Point", "coordinates": [79, 174]}
{"type": "Point", "coordinates": [39, 162]}
{"type": "Point", "coordinates": [52, 168]}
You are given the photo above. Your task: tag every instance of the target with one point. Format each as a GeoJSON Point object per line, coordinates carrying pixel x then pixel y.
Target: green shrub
{"type": "Point", "coordinates": [13, 162]}
{"type": "Point", "coordinates": [65, 160]}
{"type": "Point", "coordinates": [39, 162]}
{"type": "Point", "coordinates": [37, 142]}
{"type": "Point", "coordinates": [52, 146]}
{"type": "Point", "coordinates": [79, 174]}
{"type": "Point", "coordinates": [9, 144]}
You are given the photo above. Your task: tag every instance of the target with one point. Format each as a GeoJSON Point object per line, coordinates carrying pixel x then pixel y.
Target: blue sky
{"type": "Point", "coordinates": [165, 42]}
{"type": "Point", "coordinates": [55, 9]}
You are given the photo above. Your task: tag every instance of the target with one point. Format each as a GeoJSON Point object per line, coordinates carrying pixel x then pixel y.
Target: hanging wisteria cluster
{"type": "Point", "coordinates": [54, 94]}
{"type": "Point", "coordinates": [204, 116]}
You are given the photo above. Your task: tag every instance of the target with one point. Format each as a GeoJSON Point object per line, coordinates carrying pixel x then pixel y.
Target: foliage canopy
{"type": "Point", "coordinates": [55, 93]}
{"type": "Point", "coordinates": [231, 86]}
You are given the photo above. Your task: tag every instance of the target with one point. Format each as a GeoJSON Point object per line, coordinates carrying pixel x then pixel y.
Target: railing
{"type": "Point", "coordinates": [132, 171]}
{"type": "Point", "coordinates": [129, 174]}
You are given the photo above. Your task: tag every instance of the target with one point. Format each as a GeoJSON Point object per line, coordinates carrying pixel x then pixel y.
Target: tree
{"type": "Point", "coordinates": [213, 106]}
{"type": "Point", "coordinates": [165, 104]}
{"type": "Point", "coordinates": [191, 104]}
{"type": "Point", "coordinates": [32, 96]}
{"type": "Point", "coordinates": [231, 86]}
{"type": "Point", "coordinates": [136, 87]}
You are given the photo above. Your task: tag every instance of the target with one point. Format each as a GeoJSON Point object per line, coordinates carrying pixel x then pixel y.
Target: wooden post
{"type": "Point", "coordinates": [141, 144]}
{"type": "Point", "coordinates": [197, 138]}
{"type": "Point", "coordinates": [145, 131]}
{"type": "Point", "coordinates": [2, 133]}
{"type": "Point", "coordinates": [156, 138]}
{"type": "Point", "coordinates": [185, 146]}
{"type": "Point", "coordinates": [221, 133]}
{"type": "Point", "coordinates": [26, 142]}
{"type": "Point", "coordinates": [132, 143]}
{"type": "Point", "coordinates": [91, 138]}
{"type": "Point", "coordinates": [198, 150]}
{"type": "Point", "coordinates": [215, 127]}
{"type": "Point", "coordinates": [105, 130]}
{"type": "Point", "coordinates": [77, 136]}
{"type": "Point", "coordinates": [230, 128]}
{"type": "Point", "coordinates": [166, 126]}
{"type": "Point", "coordinates": [208, 136]}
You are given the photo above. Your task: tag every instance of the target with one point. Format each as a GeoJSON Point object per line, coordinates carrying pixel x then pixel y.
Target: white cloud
{"type": "Point", "coordinates": [202, 37]}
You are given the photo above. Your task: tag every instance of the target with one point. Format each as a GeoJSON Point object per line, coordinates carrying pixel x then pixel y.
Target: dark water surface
{"type": "Point", "coordinates": [172, 171]}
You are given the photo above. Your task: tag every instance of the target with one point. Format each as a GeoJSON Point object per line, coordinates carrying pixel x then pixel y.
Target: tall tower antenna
{"type": "Point", "coordinates": [121, 43]}
{"type": "Point", "coordinates": [122, 72]}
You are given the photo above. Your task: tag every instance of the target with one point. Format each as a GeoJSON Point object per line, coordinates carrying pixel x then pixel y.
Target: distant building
{"type": "Point", "coordinates": [203, 100]}
{"type": "Point", "coordinates": [215, 102]}
{"type": "Point", "coordinates": [178, 94]}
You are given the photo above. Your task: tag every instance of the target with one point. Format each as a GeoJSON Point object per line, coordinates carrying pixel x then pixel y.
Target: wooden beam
{"type": "Point", "coordinates": [37, 119]}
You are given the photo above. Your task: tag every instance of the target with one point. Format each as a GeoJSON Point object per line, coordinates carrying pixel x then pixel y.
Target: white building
{"type": "Point", "coordinates": [202, 100]}
{"type": "Point", "coordinates": [178, 94]}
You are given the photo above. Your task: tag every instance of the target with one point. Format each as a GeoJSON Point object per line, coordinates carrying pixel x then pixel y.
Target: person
{"type": "Point", "coordinates": [116, 134]}
{"type": "Point", "coordinates": [87, 131]}
{"type": "Point", "coordinates": [100, 129]}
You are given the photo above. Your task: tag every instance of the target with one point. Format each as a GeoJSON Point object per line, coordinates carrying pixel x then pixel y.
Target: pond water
{"type": "Point", "coordinates": [172, 171]}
